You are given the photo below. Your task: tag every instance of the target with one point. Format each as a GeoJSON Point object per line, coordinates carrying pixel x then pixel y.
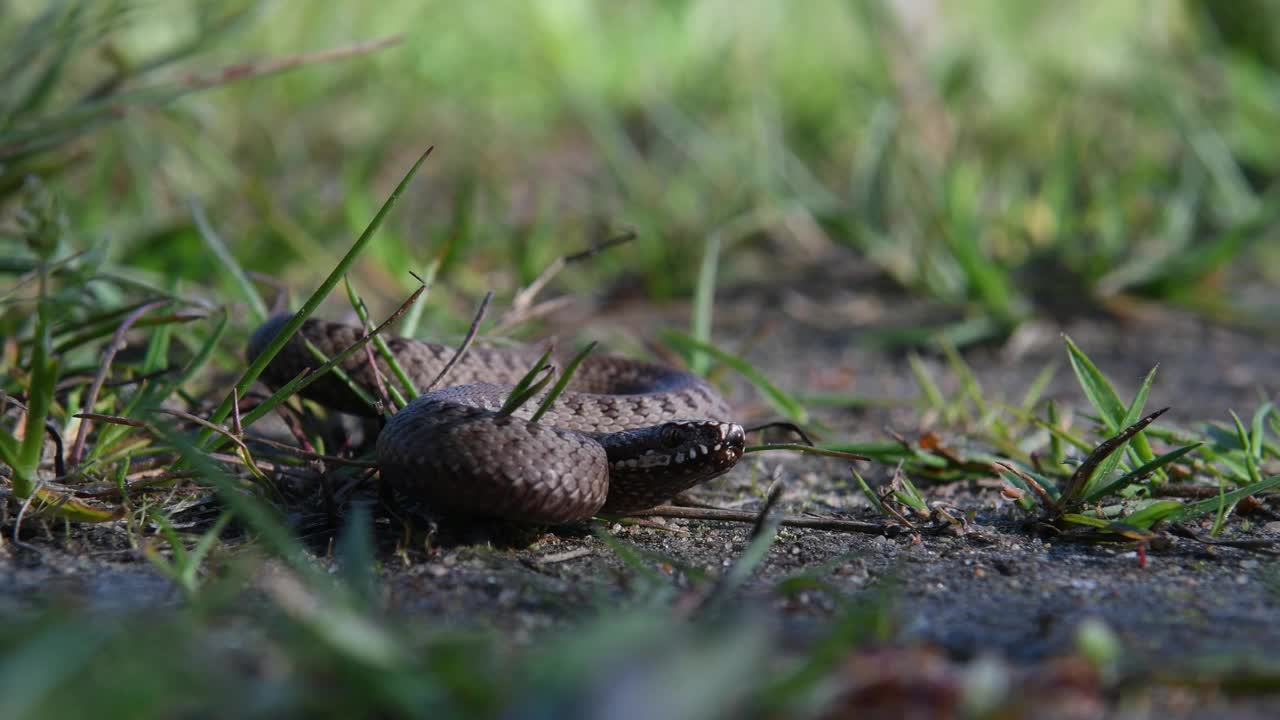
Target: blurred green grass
{"type": "Point", "coordinates": [998, 157]}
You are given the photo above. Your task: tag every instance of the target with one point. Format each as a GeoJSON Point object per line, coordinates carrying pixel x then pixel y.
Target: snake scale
{"type": "Point", "coordinates": [624, 436]}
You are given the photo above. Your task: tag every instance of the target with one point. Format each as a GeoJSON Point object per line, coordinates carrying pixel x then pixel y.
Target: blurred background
{"type": "Point", "coordinates": [1002, 159]}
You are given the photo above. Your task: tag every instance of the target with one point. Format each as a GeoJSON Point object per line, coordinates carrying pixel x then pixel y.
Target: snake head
{"type": "Point", "coordinates": [679, 452]}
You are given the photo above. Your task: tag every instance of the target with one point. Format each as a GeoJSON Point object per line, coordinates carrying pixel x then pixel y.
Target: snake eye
{"type": "Point", "coordinates": [671, 435]}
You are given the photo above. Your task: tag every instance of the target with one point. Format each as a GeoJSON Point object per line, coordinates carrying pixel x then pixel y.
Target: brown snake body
{"type": "Point", "coordinates": [624, 436]}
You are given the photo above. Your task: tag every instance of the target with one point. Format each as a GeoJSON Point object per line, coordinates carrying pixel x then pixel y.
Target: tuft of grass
{"type": "Point", "coordinates": [309, 306]}
{"type": "Point", "coordinates": [562, 382]}
{"type": "Point", "coordinates": [530, 384]}
{"type": "Point", "coordinates": [1111, 486]}
{"type": "Point", "coordinates": [24, 453]}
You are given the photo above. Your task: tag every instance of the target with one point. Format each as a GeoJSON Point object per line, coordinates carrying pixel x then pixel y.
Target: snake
{"type": "Point", "coordinates": [624, 436]}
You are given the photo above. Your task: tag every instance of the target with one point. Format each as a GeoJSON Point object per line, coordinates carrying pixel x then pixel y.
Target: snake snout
{"type": "Point", "coordinates": [711, 446]}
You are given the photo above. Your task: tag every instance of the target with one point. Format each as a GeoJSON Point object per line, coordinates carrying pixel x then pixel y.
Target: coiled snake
{"type": "Point", "coordinates": [624, 436]}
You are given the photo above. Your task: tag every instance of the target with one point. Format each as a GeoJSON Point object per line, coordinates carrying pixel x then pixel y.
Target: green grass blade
{"type": "Point", "coordinates": [1246, 442]}
{"type": "Point", "coordinates": [804, 449]}
{"type": "Point", "coordinates": [219, 249]}
{"type": "Point", "coordinates": [285, 392]}
{"type": "Point", "coordinates": [9, 449]}
{"type": "Point", "coordinates": [154, 393]}
{"type": "Point", "coordinates": [32, 101]}
{"type": "Point", "coordinates": [924, 379]}
{"type": "Point", "coordinates": [565, 375]}
{"type": "Point", "coordinates": [1204, 507]}
{"type": "Point", "coordinates": [380, 345]}
{"type": "Point", "coordinates": [254, 512]}
{"type": "Point", "coordinates": [1036, 390]}
{"type": "Point", "coordinates": [357, 557]}
{"type": "Point", "coordinates": [886, 451]}
{"type": "Point", "coordinates": [1140, 399]}
{"type": "Point", "coordinates": [629, 557]}
{"type": "Point", "coordinates": [1154, 512]}
{"type": "Point", "coordinates": [1139, 443]}
{"type": "Point", "coordinates": [528, 385]}
{"type": "Point", "coordinates": [969, 384]}
{"type": "Point", "coordinates": [1097, 388]}
{"type": "Point", "coordinates": [780, 400]}
{"type": "Point", "coordinates": [328, 364]}
{"type": "Point", "coordinates": [1056, 452]}
{"type": "Point", "coordinates": [1220, 518]}
{"type": "Point", "coordinates": [256, 367]}
{"type": "Point", "coordinates": [413, 318]}
{"type": "Point", "coordinates": [750, 559]}
{"type": "Point", "coordinates": [703, 300]}
{"type": "Point", "coordinates": [208, 539]}
{"type": "Point", "coordinates": [1087, 520]}
{"type": "Point", "coordinates": [306, 377]}
{"type": "Point", "coordinates": [44, 377]}
{"type": "Point", "coordinates": [1133, 475]}
{"type": "Point", "coordinates": [870, 494]}
{"type": "Point", "coordinates": [910, 495]}
{"type": "Point", "coordinates": [1084, 478]}
{"type": "Point", "coordinates": [1258, 432]}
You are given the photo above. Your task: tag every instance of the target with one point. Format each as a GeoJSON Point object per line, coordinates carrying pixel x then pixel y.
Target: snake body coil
{"type": "Point", "coordinates": [624, 436]}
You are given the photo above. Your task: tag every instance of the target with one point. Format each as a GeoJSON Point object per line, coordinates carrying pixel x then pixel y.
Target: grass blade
{"type": "Point", "coordinates": [1204, 507]}
{"type": "Point", "coordinates": [529, 385]}
{"type": "Point", "coordinates": [703, 300]}
{"type": "Point", "coordinates": [1154, 512]}
{"type": "Point", "coordinates": [44, 377]}
{"type": "Point", "coordinates": [256, 367]}
{"type": "Point", "coordinates": [780, 400]}
{"type": "Point", "coordinates": [328, 364]}
{"type": "Point", "coordinates": [380, 344]}
{"type": "Point", "coordinates": [1101, 394]}
{"type": "Point", "coordinates": [1258, 433]}
{"type": "Point", "coordinates": [255, 513]}
{"type": "Point", "coordinates": [870, 494]}
{"type": "Point", "coordinates": [1137, 473]}
{"type": "Point", "coordinates": [1246, 442]}
{"type": "Point", "coordinates": [1081, 480]}
{"type": "Point", "coordinates": [932, 393]}
{"type": "Point", "coordinates": [219, 249]}
{"type": "Point", "coordinates": [1141, 448]}
{"type": "Point", "coordinates": [560, 385]}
